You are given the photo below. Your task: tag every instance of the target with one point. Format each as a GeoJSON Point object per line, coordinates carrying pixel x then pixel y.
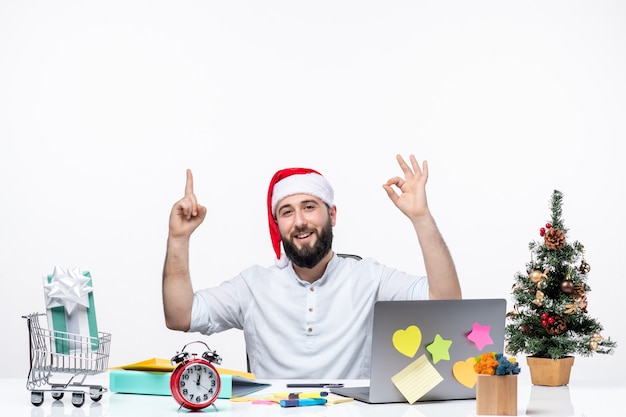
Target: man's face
{"type": "Point", "coordinates": [306, 228]}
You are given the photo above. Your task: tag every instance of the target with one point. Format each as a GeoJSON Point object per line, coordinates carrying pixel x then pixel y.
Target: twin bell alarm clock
{"type": "Point", "coordinates": [195, 383]}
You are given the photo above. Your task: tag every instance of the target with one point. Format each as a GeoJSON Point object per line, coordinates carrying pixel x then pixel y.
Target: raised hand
{"type": "Point", "coordinates": [411, 199]}
{"type": "Point", "coordinates": [186, 213]}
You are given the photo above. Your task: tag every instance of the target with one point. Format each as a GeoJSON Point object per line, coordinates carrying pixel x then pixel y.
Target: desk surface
{"type": "Point", "coordinates": [577, 399]}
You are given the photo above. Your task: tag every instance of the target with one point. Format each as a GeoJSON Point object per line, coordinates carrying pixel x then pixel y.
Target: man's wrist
{"type": "Point", "coordinates": [178, 242]}
{"type": "Point", "coordinates": [422, 220]}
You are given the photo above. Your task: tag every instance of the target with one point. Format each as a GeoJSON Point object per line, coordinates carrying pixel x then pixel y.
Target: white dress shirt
{"type": "Point", "coordinates": [294, 329]}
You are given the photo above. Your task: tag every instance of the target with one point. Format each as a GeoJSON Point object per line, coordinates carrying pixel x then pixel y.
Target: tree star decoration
{"type": "Point", "coordinates": [67, 288]}
{"type": "Point", "coordinates": [480, 335]}
{"type": "Point", "coordinates": [439, 349]}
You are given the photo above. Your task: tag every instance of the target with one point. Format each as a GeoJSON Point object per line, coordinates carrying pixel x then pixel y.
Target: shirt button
{"type": "Point", "coordinates": [310, 309]}
{"type": "Point", "coordinates": [312, 289]}
{"type": "Point", "coordinates": [309, 330]}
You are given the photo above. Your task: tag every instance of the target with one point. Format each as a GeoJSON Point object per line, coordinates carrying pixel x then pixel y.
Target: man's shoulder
{"type": "Point", "coordinates": [356, 261]}
{"type": "Point", "coordinates": [359, 268]}
{"type": "Point", "coordinates": [258, 273]}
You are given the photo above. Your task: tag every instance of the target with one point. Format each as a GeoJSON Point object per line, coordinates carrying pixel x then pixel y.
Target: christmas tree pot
{"type": "Point", "coordinates": [496, 395]}
{"type": "Point", "coordinates": [550, 372]}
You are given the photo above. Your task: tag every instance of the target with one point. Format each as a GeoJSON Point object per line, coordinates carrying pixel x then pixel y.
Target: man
{"type": "Point", "coordinates": [310, 314]}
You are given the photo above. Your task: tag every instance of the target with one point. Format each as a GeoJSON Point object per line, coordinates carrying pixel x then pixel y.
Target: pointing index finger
{"type": "Point", "coordinates": [189, 183]}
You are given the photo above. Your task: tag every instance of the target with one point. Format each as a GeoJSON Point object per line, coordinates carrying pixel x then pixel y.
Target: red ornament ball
{"type": "Point", "coordinates": [542, 232]}
{"type": "Point", "coordinates": [548, 225]}
{"type": "Point", "coordinates": [544, 316]}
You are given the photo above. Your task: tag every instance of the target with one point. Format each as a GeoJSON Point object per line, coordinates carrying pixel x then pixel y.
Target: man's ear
{"type": "Point", "coordinates": [332, 212]}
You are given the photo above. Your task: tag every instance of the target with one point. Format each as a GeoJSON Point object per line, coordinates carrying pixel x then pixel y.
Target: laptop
{"type": "Point", "coordinates": [416, 336]}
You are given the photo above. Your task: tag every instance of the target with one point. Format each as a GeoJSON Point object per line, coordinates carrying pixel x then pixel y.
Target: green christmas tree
{"type": "Point", "coordinates": [550, 318]}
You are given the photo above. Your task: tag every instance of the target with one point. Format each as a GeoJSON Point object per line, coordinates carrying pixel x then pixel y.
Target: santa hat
{"type": "Point", "coordinates": [288, 182]}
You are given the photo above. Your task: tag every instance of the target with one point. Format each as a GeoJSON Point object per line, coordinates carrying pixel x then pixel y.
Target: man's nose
{"type": "Point", "coordinates": [300, 218]}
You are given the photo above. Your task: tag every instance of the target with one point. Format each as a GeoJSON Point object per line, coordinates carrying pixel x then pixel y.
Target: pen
{"type": "Point", "coordinates": [314, 385]}
{"type": "Point", "coordinates": [302, 402]}
{"type": "Point", "coordinates": [296, 395]}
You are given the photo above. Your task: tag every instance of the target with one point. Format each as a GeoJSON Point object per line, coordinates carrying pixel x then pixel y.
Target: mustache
{"type": "Point", "coordinates": [302, 229]}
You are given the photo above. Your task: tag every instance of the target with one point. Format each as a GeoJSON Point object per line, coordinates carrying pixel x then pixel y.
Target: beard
{"type": "Point", "coordinates": [309, 256]}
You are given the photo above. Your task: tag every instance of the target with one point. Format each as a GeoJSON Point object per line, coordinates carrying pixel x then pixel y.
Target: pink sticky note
{"type": "Point", "coordinates": [480, 335]}
{"type": "Point", "coordinates": [265, 402]}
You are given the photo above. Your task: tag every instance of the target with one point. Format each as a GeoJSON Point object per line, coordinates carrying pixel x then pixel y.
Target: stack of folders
{"type": "Point", "coordinates": [152, 377]}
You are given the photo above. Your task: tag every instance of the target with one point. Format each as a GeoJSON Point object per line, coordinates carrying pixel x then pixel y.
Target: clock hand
{"type": "Point", "coordinates": [202, 386]}
{"type": "Point", "coordinates": [198, 380]}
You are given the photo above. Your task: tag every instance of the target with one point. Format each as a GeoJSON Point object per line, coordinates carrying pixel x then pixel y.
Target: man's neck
{"type": "Point", "coordinates": [313, 274]}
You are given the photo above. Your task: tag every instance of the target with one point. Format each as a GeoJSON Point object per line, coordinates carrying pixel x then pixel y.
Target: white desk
{"type": "Point", "coordinates": [577, 399]}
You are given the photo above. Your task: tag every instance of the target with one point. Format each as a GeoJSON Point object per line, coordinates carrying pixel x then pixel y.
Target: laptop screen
{"type": "Point", "coordinates": [425, 350]}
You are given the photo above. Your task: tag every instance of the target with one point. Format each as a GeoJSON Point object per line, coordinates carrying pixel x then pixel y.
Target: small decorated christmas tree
{"type": "Point", "coordinates": [550, 318]}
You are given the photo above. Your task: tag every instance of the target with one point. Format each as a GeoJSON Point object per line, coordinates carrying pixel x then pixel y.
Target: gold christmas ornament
{"type": "Point", "coordinates": [554, 239]}
{"type": "Point", "coordinates": [576, 306]}
{"type": "Point", "coordinates": [538, 277]}
{"type": "Point", "coordinates": [538, 301]}
{"type": "Point", "coordinates": [595, 339]}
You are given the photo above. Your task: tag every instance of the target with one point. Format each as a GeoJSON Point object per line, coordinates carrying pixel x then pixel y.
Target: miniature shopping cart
{"type": "Point", "coordinates": [53, 352]}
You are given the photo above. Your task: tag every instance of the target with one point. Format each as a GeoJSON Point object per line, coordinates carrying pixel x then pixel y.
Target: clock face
{"type": "Point", "coordinates": [195, 384]}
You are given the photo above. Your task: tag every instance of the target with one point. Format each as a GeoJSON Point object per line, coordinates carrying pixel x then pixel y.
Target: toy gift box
{"type": "Point", "coordinates": [71, 311]}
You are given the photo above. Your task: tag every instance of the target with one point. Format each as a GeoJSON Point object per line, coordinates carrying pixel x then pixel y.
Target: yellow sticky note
{"type": "Point", "coordinates": [337, 399]}
{"type": "Point", "coordinates": [416, 379]}
{"type": "Point", "coordinates": [407, 341]}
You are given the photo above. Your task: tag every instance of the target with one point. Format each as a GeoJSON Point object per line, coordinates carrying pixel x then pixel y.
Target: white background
{"type": "Point", "coordinates": [103, 105]}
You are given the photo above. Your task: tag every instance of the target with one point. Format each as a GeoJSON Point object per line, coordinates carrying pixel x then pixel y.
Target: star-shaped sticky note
{"type": "Point", "coordinates": [480, 335]}
{"type": "Point", "coordinates": [439, 349]}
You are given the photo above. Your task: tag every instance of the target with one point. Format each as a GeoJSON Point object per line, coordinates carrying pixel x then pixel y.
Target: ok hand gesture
{"type": "Point", "coordinates": [412, 197]}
